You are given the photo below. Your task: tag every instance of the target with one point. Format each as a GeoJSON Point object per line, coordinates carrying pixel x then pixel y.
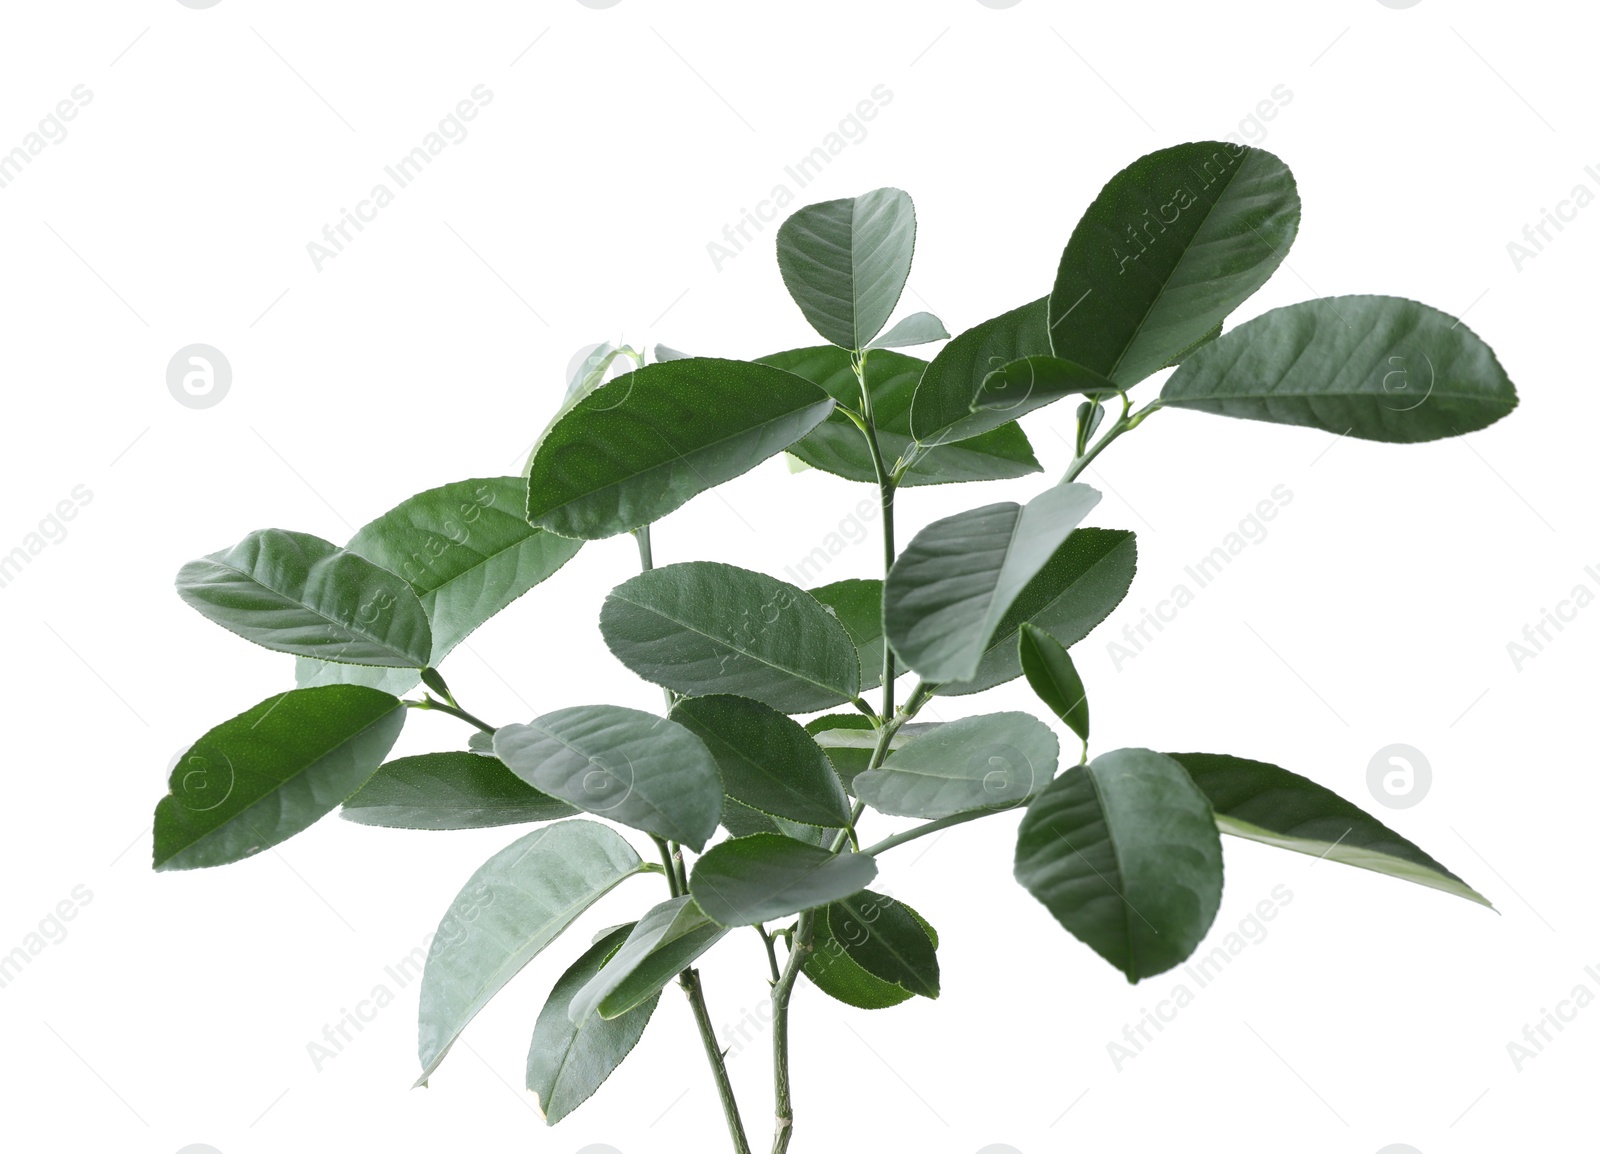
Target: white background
{"type": "Point", "coordinates": [618, 143]}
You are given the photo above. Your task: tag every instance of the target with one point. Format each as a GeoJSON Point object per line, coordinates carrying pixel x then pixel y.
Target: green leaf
{"type": "Point", "coordinates": [839, 447]}
{"type": "Point", "coordinates": [456, 790]}
{"type": "Point", "coordinates": [767, 760]}
{"type": "Point", "coordinates": [309, 673]}
{"type": "Point", "coordinates": [513, 906]}
{"type": "Point", "coordinates": [1050, 672]}
{"type": "Point", "coordinates": [1084, 580]}
{"type": "Point", "coordinates": [887, 940]}
{"type": "Point", "coordinates": [1018, 388]}
{"type": "Point", "coordinates": [858, 604]}
{"type": "Point", "coordinates": [849, 739]}
{"type": "Point", "coordinates": [1125, 854]}
{"type": "Point", "coordinates": [665, 942]}
{"type": "Point", "coordinates": [300, 594]}
{"type": "Point", "coordinates": [992, 761]}
{"type": "Point", "coordinates": [568, 1061]}
{"type": "Point", "coordinates": [949, 591]}
{"type": "Point", "coordinates": [466, 551]}
{"type": "Point", "coordinates": [941, 411]}
{"type": "Point", "coordinates": [1379, 368]}
{"type": "Point", "coordinates": [845, 262]}
{"type": "Point", "coordinates": [623, 764]}
{"type": "Point", "coordinates": [742, 821]}
{"type": "Point", "coordinates": [265, 775]}
{"type": "Point", "coordinates": [1171, 246]}
{"type": "Point", "coordinates": [702, 627]}
{"type": "Point", "coordinates": [641, 445]}
{"type": "Point", "coordinates": [833, 971]}
{"type": "Point", "coordinates": [748, 880]}
{"type": "Point", "coordinates": [1255, 800]}
{"type": "Point", "coordinates": [916, 329]}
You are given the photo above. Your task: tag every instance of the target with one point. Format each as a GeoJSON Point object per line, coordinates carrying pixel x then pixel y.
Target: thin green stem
{"type": "Point", "coordinates": [690, 981]}
{"type": "Point", "coordinates": [666, 860]}
{"type": "Point", "coordinates": [454, 711]}
{"type": "Point", "coordinates": [770, 941]}
{"type": "Point", "coordinates": [1129, 420]}
{"type": "Point", "coordinates": [783, 1104]}
{"type": "Point", "coordinates": [928, 827]}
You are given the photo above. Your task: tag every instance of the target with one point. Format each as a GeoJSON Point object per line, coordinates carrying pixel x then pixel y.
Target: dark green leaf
{"type": "Point", "coordinates": [1125, 854]}
{"type": "Point", "coordinates": [916, 329]}
{"type": "Point", "coordinates": [513, 906]}
{"type": "Point", "coordinates": [767, 760]}
{"type": "Point", "coordinates": [742, 821]}
{"type": "Point", "coordinates": [1171, 246]}
{"type": "Point", "coordinates": [1018, 388]}
{"type": "Point", "coordinates": [702, 627]}
{"type": "Point", "coordinates": [887, 940]}
{"type": "Point", "coordinates": [748, 880]}
{"type": "Point", "coordinates": [456, 790]}
{"type": "Point", "coordinates": [1380, 368]}
{"type": "Point", "coordinates": [858, 604]}
{"type": "Point", "coordinates": [833, 971]}
{"type": "Point", "coordinates": [568, 1061]}
{"type": "Point", "coordinates": [942, 409]}
{"type": "Point", "coordinates": [948, 592]}
{"type": "Point", "coordinates": [837, 446]}
{"type": "Point", "coordinates": [1255, 800]}
{"type": "Point", "coordinates": [1077, 589]}
{"type": "Point", "coordinates": [1051, 674]}
{"type": "Point", "coordinates": [666, 941]}
{"type": "Point", "coordinates": [992, 761]}
{"type": "Point", "coordinates": [641, 445]}
{"type": "Point", "coordinates": [300, 594]}
{"type": "Point", "coordinates": [845, 262]}
{"type": "Point", "coordinates": [265, 775]}
{"type": "Point", "coordinates": [623, 764]}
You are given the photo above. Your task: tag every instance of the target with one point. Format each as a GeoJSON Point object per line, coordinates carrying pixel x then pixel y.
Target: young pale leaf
{"type": "Point", "coordinates": [887, 940]}
{"type": "Point", "coordinates": [1380, 368]}
{"type": "Point", "coordinates": [1052, 676]}
{"type": "Point", "coordinates": [513, 906]}
{"type": "Point", "coordinates": [748, 880]}
{"type": "Point", "coordinates": [858, 604]}
{"type": "Point", "coordinates": [641, 445]}
{"type": "Point", "coordinates": [850, 738]}
{"type": "Point", "coordinates": [1125, 854]}
{"type": "Point", "coordinates": [992, 761]}
{"type": "Point", "coordinates": [767, 760]}
{"type": "Point", "coordinates": [568, 1061]}
{"type": "Point", "coordinates": [916, 329]}
{"type": "Point", "coordinates": [845, 262]}
{"type": "Point", "coordinates": [623, 764]}
{"type": "Point", "coordinates": [702, 627]}
{"type": "Point", "coordinates": [1171, 246]}
{"type": "Point", "coordinates": [1084, 580]}
{"type": "Point", "coordinates": [300, 594]}
{"type": "Point", "coordinates": [665, 941]}
{"type": "Point", "coordinates": [454, 790]}
{"type": "Point", "coordinates": [948, 592]}
{"type": "Point", "coordinates": [837, 445]}
{"type": "Point", "coordinates": [262, 777]}
{"type": "Point", "coordinates": [1264, 803]}
{"type": "Point", "coordinates": [941, 411]}
{"type": "Point", "coordinates": [1018, 388]}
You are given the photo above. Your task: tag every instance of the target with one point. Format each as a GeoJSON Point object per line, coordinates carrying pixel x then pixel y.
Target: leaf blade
{"type": "Point", "coordinates": [748, 880]}
{"type": "Point", "coordinates": [452, 790]}
{"type": "Point", "coordinates": [991, 761]}
{"type": "Point", "coordinates": [845, 262]}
